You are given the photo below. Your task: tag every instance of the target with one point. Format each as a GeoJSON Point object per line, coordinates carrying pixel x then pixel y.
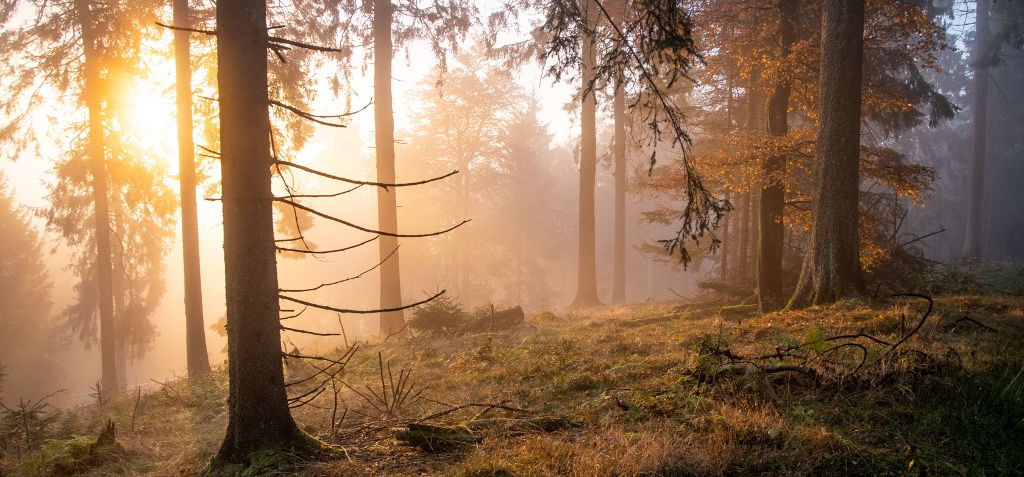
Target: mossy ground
{"type": "Point", "coordinates": [629, 377]}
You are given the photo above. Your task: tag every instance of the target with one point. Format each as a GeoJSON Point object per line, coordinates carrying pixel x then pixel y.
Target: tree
{"type": "Point", "coordinates": [102, 187]}
{"type": "Point", "coordinates": [101, 214]}
{"type": "Point", "coordinates": [393, 24]}
{"type": "Point", "coordinates": [831, 268]}
{"type": "Point", "coordinates": [29, 336]}
{"type": "Point", "coordinates": [195, 331]}
{"type": "Point", "coordinates": [619, 152]}
{"type": "Point", "coordinates": [586, 286]}
{"type": "Point", "coordinates": [465, 123]}
{"type": "Point", "coordinates": [258, 415]}
{"type": "Point", "coordinates": [387, 204]}
{"type": "Point", "coordinates": [976, 199]}
{"type": "Point", "coordinates": [772, 229]}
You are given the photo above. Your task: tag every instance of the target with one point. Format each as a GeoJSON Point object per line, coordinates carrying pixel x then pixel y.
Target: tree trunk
{"type": "Point", "coordinates": [95, 151]}
{"type": "Point", "coordinates": [197, 360]}
{"type": "Point", "coordinates": [586, 288]}
{"type": "Point", "coordinates": [726, 250]}
{"type": "Point", "coordinates": [755, 122]}
{"type": "Point", "coordinates": [619, 281]}
{"type": "Point", "coordinates": [387, 205]}
{"type": "Point", "coordinates": [743, 252]}
{"type": "Point", "coordinates": [121, 338]}
{"type": "Point", "coordinates": [461, 241]}
{"type": "Point", "coordinates": [770, 244]}
{"type": "Point", "coordinates": [258, 415]}
{"type": "Point", "coordinates": [979, 121]}
{"type": "Point", "coordinates": [831, 268]}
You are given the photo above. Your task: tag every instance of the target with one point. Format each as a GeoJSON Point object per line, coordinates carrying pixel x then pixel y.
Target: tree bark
{"type": "Point", "coordinates": [743, 245]}
{"type": "Point", "coordinates": [586, 288]}
{"type": "Point", "coordinates": [831, 267]}
{"type": "Point", "coordinates": [979, 122]}
{"type": "Point", "coordinates": [770, 244]}
{"type": "Point", "coordinates": [258, 415]}
{"type": "Point", "coordinates": [96, 151]}
{"type": "Point", "coordinates": [197, 359]}
{"type": "Point", "coordinates": [619, 280]}
{"type": "Point", "coordinates": [755, 122]}
{"type": "Point", "coordinates": [387, 205]}
{"type": "Point", "coordinates": [724, 272]}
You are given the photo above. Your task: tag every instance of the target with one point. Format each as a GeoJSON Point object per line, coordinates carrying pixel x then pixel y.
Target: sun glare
{"type": "Point", "coordinates": [150, 117]}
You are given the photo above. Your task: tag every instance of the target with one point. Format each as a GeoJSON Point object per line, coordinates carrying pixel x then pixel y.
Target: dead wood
{"type": "Point", "coordinates": [726, 288]}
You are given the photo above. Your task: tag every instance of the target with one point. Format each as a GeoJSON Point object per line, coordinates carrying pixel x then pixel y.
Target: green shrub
{"type": "Point", "coordinates": [443, 314]}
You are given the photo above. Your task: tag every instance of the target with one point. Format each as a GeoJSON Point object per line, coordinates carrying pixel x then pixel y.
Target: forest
{"type": "Point", "coordinates": [511, 237]}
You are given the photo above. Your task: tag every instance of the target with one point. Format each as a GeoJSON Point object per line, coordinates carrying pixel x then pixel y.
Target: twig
{"type": "Point", "coordinates": [344, 310]}
{"type": "Point", "coordinates": [383, 185]}
{"type": "Point", "coordinates": [364, 229]}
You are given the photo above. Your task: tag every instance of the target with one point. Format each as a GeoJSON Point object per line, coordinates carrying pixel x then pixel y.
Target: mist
{"type": "Point", "coordinates": [642, 224]}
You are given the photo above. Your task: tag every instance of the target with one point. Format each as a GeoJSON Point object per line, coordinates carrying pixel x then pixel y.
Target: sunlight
{"type": "Point", "coordinates": [150, 116]}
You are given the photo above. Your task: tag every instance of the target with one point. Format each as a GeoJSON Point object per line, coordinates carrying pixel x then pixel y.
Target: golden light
{"type": "Point", "coordinates": [150, 118]}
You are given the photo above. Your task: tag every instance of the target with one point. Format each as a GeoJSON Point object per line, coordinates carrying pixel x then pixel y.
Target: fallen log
{"type": "Point", "coordinates": [519, 426]}
{"type": "Point", "coordinates": [431, 438]}
{"type": "Point", "coordinates": [726, 288]}
{"type": "Point", "coordinates": [497, 320]}
{"type": "Point", "coordinates": [445, 438]}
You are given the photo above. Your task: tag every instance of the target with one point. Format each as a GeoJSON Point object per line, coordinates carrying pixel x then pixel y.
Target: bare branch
{"type": "Point", "coordinates": [369, 183]}
{"type": "Point", "coordinates": [321, 252]}
{"type": "Point", "coordinates": [193, 30]}
{"type": "Point", "coordinates": [284, 41]}
{"type": "Point", "coordinates": [354, 277]}
{"type": "Point", "coordinates": [364, 229]}
{"type": "Point", "coordinates": [344, 310]}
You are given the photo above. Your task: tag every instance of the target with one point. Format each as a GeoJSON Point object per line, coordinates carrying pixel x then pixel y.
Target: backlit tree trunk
{"type": "Point", "coordinates": [619, 280]}
{"type": "Point", "coordinates": [831, 268]}
{"type": "Point", "coordinates": [770, 243]}
{"type": "Point", "coordinates": [387, 205]}
{"type": "Point", "coordinates": [197, 360]}
{"type": "Point", "coordinates": [258, 415]}
{"type": "Point", "coordinates": [586, 287]}
{"type": "Point", "coordinates": [979, 121]}
{"type": "Point", "coordinates": [95, 151]}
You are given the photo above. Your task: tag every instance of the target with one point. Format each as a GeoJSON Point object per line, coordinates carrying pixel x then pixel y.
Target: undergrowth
{"type": "Point", "coordinates": [653, 393]}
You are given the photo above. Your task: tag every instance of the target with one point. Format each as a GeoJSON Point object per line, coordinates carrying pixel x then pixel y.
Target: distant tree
{"type": "Point", "coordinates": [30, 332]}
{"type": "Point", "coordinates": [94, 64]}
{"type": "Point", "coordinates": [196, 357]}
{"type": "Point", "coordinates": [979, 133]}
{"type": "Point", "coordinates": [389, 25]}
{"type": "Point", "coordinates": [463, 123]}
{"type": "Point", "coordinates": [831, 268]}
{"type": "Point", "coordinates": [586, 272]}
{"type": "Point", "coordinates": [773, 200]}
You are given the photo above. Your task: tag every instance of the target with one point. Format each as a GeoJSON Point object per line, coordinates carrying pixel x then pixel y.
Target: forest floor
{"type": "Point", "coordinates": [650, 389]}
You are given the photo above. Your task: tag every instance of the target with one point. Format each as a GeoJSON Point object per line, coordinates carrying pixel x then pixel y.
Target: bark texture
{"type": "Point", "coordinates": [773, 194]}
{"type": "Point", "coordinates": [586, 288]}
{"type": "Point", "coordinates": [96, 151]}
{"type": "Point", "coordinates": [979, 122]}
{"type": "Point", "coordinates": [387, 204]}
{"type": "Point", "coordinates": [831, 267]}
{"type": "Point", "coordinates": [743, 242]}
{"type": "Point", "coordinates": [619, 280]}
{"type": "Point", "coordinates": [258, 415]}
{"type": "Point", "coordinates": [197, 359]}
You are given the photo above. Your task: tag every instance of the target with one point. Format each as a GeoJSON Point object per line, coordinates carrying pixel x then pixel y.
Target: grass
{"type": "Point", "coordinates": [652, 398]}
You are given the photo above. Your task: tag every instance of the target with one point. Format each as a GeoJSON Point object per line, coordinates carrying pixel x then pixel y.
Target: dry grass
{"type": "Point", "coordinates": [630, 379]}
